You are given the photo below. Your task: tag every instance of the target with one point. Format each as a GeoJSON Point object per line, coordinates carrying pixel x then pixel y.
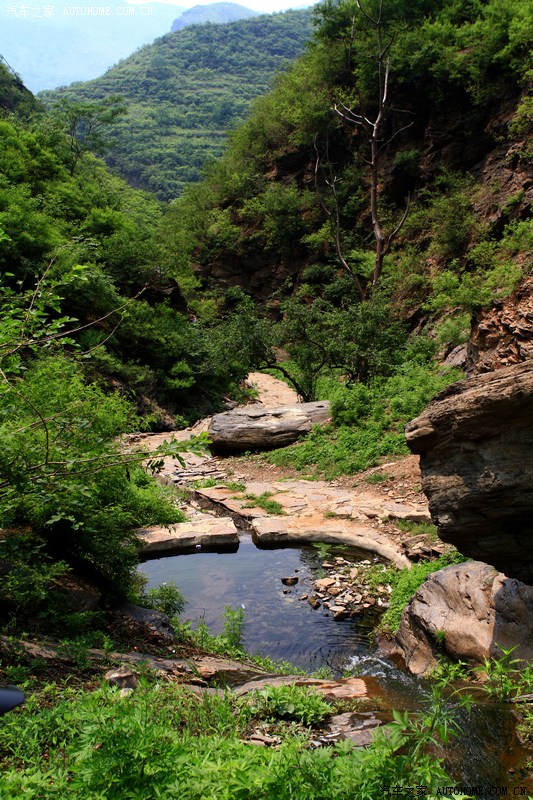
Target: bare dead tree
{"type": "Point", "coordinates": [331, 180]}
{"type": "Point", "coordinates": [372, 129]}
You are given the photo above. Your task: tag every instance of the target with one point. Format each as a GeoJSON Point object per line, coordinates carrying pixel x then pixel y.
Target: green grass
{"type": "Point", "coordinates": [418, 528]}
{"type": "Point", "coordinates": [405, 584]}
{"type": "Point", "coordinates": [235, 486]}
{"type": "Point", "coordinates": [263, 501]}
{"type": "Point", "coordinates": [377, 477]}
{"type": "Point", "coordinates": [368, 422]}
{"type": "Point", "coordinates": [164, 742]}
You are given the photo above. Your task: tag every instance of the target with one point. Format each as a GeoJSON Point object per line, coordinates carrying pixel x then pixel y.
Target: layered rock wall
{"type": "Point", "coordinates": [475, 442]}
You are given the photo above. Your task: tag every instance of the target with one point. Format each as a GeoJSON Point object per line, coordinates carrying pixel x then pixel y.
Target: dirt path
{"type": "Point", "coordinates": [271, 391]}
{"type": "Point", "coordinates": [368, 510]}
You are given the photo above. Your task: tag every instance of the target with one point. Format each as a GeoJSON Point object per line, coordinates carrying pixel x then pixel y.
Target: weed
{"type": "Point", "coordinates": [162, 741]}
{"type": "Point", "coordinates": [335, 515]}
{"type": "Point", "coordinates": [234, 621]}
{"type": "Point", "coordinates": [263, 501]}
{"type": "Point", "coordinates": [299, 703]}
{"type": "Point", "coordinates": [502, 675]}
{"type": "Point", "coordinates": [235, 486]}
{"type": "Point", "coordinates": [324, 550]}
{"type": "Point", "coordinates": [418, 528]}
{"type": "Point", "coordinates": [205, 483]}
{"type": "Point", "coordinates": [377, 477]}
{"type": "Point", "coordinates": [166, 598]}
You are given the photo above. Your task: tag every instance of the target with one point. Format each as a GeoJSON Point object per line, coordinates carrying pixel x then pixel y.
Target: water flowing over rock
{"type": "Point", "coordinates": [475, 440]}
{"type": "Point", "coordinates": [468, 611]}
{"type": "Point", "coordinates": [258, 428]}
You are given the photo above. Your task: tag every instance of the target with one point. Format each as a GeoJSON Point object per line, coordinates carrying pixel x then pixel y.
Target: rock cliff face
{"type": "Point", "coordinates": [469, 611]}
{"type": "Point", "coordinates": [503, 335]}
{"type": "Point", "coordinates": [475, 441]}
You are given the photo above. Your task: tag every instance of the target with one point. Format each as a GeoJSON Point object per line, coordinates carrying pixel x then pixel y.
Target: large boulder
{"type": "Point", "coordinates": [259, 428]}
{"type": "Point", "coordinates": [468, 611]}
{"type": "Point", "coordinates": [475, 442]}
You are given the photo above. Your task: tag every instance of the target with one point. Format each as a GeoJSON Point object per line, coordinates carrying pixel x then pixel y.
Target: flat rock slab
{"type": "Point", "coordinates": [296, 497]}
{"type": "Point", "coordinates": [346, 688]}
{"type": "Point", "coordinates": [256, 427]}
{"type": "Point", "coordinates": [314, 528]}
{"type": "Point", "coordinates": [204, 530]}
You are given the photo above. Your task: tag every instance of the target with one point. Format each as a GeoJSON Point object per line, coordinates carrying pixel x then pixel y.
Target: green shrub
{"type": "Point", "coordinates": [163, 742]}
{"type": "Point", "coordinates": [291, 702]}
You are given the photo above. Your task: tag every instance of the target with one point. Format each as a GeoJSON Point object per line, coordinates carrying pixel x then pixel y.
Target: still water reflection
{"type": "Point", "coordinates": [278, 623]}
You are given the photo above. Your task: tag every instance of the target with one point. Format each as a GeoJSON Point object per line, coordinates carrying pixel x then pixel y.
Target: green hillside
{"type": "Point", "coordinates": [185, 91]}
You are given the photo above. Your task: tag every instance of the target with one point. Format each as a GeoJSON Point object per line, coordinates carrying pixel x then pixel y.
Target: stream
{"type": "Point", "coordinates": [280, 625]}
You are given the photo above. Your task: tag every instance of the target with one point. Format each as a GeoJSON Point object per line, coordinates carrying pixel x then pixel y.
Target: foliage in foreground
{"type": "Point", "coordinates": [162, 742]}
{"type": "Point", "coordinates": [69, 497]}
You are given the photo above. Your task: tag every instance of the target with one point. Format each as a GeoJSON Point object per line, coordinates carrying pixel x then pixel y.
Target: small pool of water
{"type": "Point", "coordinates": [278, 624]}
{"type": "Point", "coordinates": [281, 626]}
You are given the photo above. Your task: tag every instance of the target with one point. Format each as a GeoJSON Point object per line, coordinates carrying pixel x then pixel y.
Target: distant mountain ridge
{"type": "Point", "coordinates": [51, 46]}
{"type": "Point", "coordinates": [54, 45]}
{"type": "Point", "coordinates": [186, 90]}
{"type": "Point", "coordinates": [220, 13]}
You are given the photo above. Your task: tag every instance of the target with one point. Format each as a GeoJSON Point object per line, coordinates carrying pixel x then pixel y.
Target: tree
{"type": "Point", "coordinates": [62, 470]}
{"type": "Point", "coordinates": [370, 116]}
{"type": "Point", "coordinates": [87, 124]}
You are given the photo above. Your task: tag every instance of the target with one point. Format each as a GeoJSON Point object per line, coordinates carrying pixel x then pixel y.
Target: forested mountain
{"type": "Point", "coordinates": [96, 248]}
{"type": "Point", "coordinates": [214, 12]}
{"type": "Point", "coordinates": [297, 200]}
{"type": "Point", "coordinates": [52, 45]}
{"type": "Point", "coordinates": [183, 93]}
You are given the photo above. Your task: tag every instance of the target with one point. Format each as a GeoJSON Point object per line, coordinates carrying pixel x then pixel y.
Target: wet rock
{"type": "Point", "coordinates": [314, 602]}
{"type": "Point", "coordinates": [340, 614]}
{"type": "Point", "coordinates": [324, 583]}
{"type": "Point", "coordinates": [291, 580]}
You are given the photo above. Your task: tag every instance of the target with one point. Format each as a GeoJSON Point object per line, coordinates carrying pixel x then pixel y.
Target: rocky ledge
{"type": "Point", "coordinates": [467, 611]}
{"type": "Point", "coordinates": [475, 440]}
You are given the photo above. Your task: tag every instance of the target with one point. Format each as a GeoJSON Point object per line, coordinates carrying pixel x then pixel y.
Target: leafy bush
{"type": "Point", "coordinates": [166, 598]}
